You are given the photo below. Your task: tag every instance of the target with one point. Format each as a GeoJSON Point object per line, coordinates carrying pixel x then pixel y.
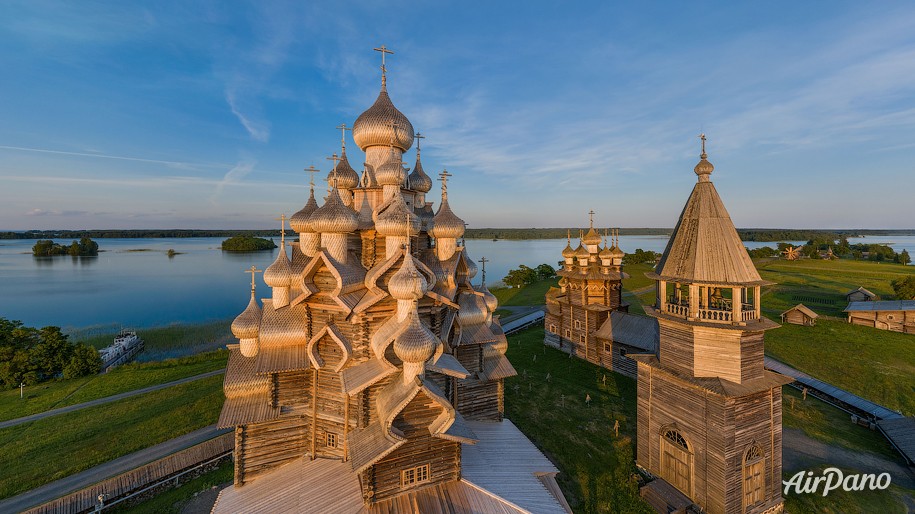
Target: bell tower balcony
{"type": "Point", "coordinates": [709, 303]}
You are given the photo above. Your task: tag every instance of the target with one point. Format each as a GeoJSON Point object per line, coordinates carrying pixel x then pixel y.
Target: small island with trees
{"type": "Point", "coordinates": [85, 247]}
{"type": "Point", "coordinates": [247, 244]}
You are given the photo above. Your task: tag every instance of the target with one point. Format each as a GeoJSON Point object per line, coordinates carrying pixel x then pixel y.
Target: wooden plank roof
{"type": "Point", "coordinates": [720, 385]}
{"type": "Point", "coordinates": [705, 247]}
{"type": "Point", "coordinates": [502, 474]}
{"type": "Point", "coordinates": [637, 331]}
{"type": "Point", "coordinates": [862, 290]}
{"type": "Point", "coordinates": [247, 393]}
{"type": "Point", "coordinates": [804, 309]}
{"type": "Point", "coordinates": [886, 305]}
{"type": "Point", "coordinates": [901, 431]}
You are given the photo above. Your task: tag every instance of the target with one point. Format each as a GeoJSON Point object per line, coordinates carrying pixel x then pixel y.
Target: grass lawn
{"type": "Point", "coordinates": [637, 278]}
{"type": "Point", "coordinates": [175, 340]}
{"type": "Point", "coordinates": [598, 469]}
{"type": "Point", "coordinates": [821, 285]}
{"type": "Point", "coordinates": [875, 364]}
{"type": "Point", "coordinates": [173, 500]}
{"type": "Point", "coordinates": [46, 450]}
{"type": "Point", "coordinates": [49, 395]}
{"type": "Point", "coordinates": [833, 426]}
{"type": "Point", "coordinates": [531, 294]}
{"type": "Point", "coordinates": [842, 502]}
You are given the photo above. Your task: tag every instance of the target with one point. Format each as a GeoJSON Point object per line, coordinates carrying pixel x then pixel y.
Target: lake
{"type": "Point", "coordinates": [133, 283]}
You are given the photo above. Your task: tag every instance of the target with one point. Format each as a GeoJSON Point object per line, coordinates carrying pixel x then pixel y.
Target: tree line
{"type": "Point", "coordinates": [247, 244]}
{"type": "Point", "coordinates": [31, 355]}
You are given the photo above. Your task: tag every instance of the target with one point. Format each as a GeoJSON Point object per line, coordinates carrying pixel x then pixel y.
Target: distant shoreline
{"type": "Point", "coordinates": [746, 234]}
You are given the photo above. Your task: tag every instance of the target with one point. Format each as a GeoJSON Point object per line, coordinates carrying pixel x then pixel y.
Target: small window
{"type": "Point", "coordinates": [330, 440]}
{"type": "Point", "coordinates": [581, 338]}
{"type": "Point", "coordinates": [553, 328]}
{"type": "Point", "coordinates": [890, 317]}
{"type": "Point", "coordinates": [415, 475]}
{"type": "Point", "coordinates": [568, 333]}
{"type": "Point", "coordinates": [608, 347]}
{"type": "Point", "coordinates": [622, 352]}
{"type": "Point", "coordinates": [577, 324]}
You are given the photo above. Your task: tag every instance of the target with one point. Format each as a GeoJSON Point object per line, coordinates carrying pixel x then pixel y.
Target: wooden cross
{"type": "Point", "coordinates": [384, 50]}
{"type": "Point", "coordinates": [483, 261]}
{"type": "Point", "coordinates": [443, 176]}
{"type": "Point", "coordinates": [252, 270]}
{"type": "Point", "coordinates": [282, 220]}
{"type": "Point", "coordinates": [702, 137]}
{"type": "Point", "coordinates": [418, 136]}
{"type": "Point", "coordinates": [591, 214]}
{"type": "Point", "coordinates": [343, 128]}
{"type": "Point", "coordinates": [312, 170]}
{"type": "Point", "coordinates": [333, 181]}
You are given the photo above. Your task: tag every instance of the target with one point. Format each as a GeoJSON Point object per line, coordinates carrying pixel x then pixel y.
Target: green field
{"type": "Point", "coordinates": [172, 500]}
{"type": "Point", "coordinates": [598, 469]}
{"type": "Point", "coordinates": [50, 395]}
{"type": "Point", "coordinates": [822, 284]}
{"type": "Point", "coordinates": [531, 294]}
{"type": "Point", "coordinates": [43, 451]}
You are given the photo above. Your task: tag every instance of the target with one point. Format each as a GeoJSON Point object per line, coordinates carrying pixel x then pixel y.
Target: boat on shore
{"type": "Point", "coordinates": [125, 347]}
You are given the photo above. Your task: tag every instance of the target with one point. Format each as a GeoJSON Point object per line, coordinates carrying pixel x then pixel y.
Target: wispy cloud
{"type": "Point", "coordinates": [233, 176]}
{"type": "Point", "coordinates": [172, 164]}
{"type": "Point", "coordinates": [56, 212]}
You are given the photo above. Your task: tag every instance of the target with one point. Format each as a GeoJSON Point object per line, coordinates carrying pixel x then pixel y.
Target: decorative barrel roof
{"type": "Point", "coordinates": [417, 343]}
{"type": "Point", "coordinates": [606, 253]}
{"type": "Point", "coordinates": [568, 252]}
{"type": "Point", "coordinates": [446, 224]}
{"type": "Point", "coordinates": [492, 303]}
{"type": "Point", "coordinates": [394, 220]}
{"type": "Point", "coordinates": [248, 323]}
{"type": "Point", "coordinates": [279, 274]}
{"type": "Point", "coordinates": [299, 220]}
{"type": "Point", "coordinates": [333, 217]}
{"type": "Point", "coordinates": [705, 247]}
{"type": "Point", "coordinates": [347, 178]}
{"type": "Point", "coordinates": [581, 252]}
{"type": "Point", "coordinates": [419, 181]}
{"type": "Point", "coordinates": [472, 309]}
{"type": "Point", "coordinates": [374, 126]}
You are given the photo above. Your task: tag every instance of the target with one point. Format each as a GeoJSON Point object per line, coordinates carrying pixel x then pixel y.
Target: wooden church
{"type": "Point", "coordinates": [586, 315]}
{"type": "Point", "coordinates": [709, 413]}
{"type": "Point", "coordinates": [371, 379]}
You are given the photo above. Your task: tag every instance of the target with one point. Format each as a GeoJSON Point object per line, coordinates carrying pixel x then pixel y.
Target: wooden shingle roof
{"type": "Point", "coordinates": [862, 290]}
{"type": "Point", "coordinates": [631, 330]}
{"type": "Point", "coordinates": [804, 309]}
{"type": "Point", "coordinates": [705, 247]}
{"type": "Point", "coordinates": [888, 305]}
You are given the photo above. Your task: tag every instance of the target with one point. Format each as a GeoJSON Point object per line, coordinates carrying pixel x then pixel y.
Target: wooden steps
{"type": "Point", "coordinates": [664, 498]}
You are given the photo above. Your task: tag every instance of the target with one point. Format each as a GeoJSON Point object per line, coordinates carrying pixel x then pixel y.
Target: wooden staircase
{"type": "Point", "coordinates": [664, 498]}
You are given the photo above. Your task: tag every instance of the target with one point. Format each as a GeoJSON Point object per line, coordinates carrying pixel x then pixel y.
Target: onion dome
{"type": "Point", "coordinates": [591, 238]}
{"type": "Point", "coordinates": [419, 181]}
{"type": "Point", "coordinates": [248, 323]}
{"type": "Point", "coordinates": [299, 220]}
{"type": "Point", "coordinates": [581, 252]}
{"type": "Point", "coordinates": [446, 224]}
{"type": "Point", "coordinates": [347, 178]}
{"type": "Point", "coordinates": [471, 266]}
{"type": "Point", "coordinates": [472, 309]}
{"type": "Point", "coordinates": [606, 253]}
{"type": "Point", "coordinates": [393, 221]}
{"type": "Point", "coordinates": [408, 283]}
{"type": "Point", "coordinates": [279, 274]}
{"type": "Point", "coordinates": [417, 343]}
{"type": "Point", "coordinates": [569, 252]}
{"type": "Point", "coordinates": [501, 345]}
{"type": "Point", "coordinates": [391, 173]}
{"type": "Point", "coordinates": [704, 168]}
{"type": "Point", "coordinates": [382, 124]}
{"type": "Point", "coordinates": [616, 251]}
{"type": "Point", "coordinates": [333, 217]}
{"type": "Point", "coordinates": [492, 303]}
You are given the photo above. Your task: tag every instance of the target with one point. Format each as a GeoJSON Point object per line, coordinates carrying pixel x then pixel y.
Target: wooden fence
{"type": "Point", "coordinates": [147, 476]}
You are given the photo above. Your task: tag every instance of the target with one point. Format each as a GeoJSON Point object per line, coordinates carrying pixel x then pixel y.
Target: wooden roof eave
{"type": "Point", "coordinates": [667, 278]}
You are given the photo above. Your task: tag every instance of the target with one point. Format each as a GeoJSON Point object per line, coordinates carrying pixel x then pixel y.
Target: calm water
{"type": "Point", "coordinates": [126, 287]}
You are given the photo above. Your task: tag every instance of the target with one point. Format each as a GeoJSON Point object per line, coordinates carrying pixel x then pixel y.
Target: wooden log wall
{"type": "Point", "coordinates": [479, 400]}
{"type": "Point", "coordinates": [443, 457]}
{"type": "Point", "coordinates": [676, 346]}
{"type": "Point", "coordinates": [85, 500]}
{"type": "Point", "coordinates": [262, 447]}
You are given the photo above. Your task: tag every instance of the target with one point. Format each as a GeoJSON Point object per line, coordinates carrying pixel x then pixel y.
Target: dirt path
{"type": "Point", "coordinates": [800, 452]}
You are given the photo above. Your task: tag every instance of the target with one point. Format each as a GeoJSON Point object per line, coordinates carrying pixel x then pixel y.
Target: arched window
{"type": "Point", "coordinates": [676, 460]}
{"type": "Point", "coordinates": [754, 476]}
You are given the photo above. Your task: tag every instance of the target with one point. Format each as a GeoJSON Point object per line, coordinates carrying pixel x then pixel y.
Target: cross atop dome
{"type": "Point", "coordinates": [443, 176]}
{"type": "Point", "coordinates": [252, 270]}
{"type": "Point", "coordinates": [384, 50]}
{"type": "Point", "coordinates": [704, 168]}
{"type": "Point", "coordinates": [343, 128]}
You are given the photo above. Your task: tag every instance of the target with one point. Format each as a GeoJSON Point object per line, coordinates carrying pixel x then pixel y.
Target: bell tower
{"type": "Point", "coordinates": [709, 413]}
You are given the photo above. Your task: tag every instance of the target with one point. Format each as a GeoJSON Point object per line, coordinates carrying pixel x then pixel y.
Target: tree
{"type": "Point", "coordinates": [904, 258]}
{"type": "Point", "coordinates": [519, 277]}
{"type": "Point", "coordinates": [84, 361]}
{"type": "Point", "coordinates": [904, 288]}
{"type": "Point", "coordinates": [247, 244]}
{"type": "Point", "coordinates": [545, 271]}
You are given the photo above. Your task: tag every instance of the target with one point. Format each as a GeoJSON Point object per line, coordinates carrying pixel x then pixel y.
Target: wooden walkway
{"type": "Point", "coordinates": [865, 406]}
{"type": "Point", "coordinates": [900, 432]}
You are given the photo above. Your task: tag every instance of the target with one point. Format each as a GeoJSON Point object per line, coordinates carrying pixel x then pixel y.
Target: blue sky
{"type": "Point", "coordinates": [203, 114]}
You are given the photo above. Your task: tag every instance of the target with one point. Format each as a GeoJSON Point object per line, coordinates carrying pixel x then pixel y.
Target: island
{"type": "Point", "coordinates": [247, 244]}
{"type": "Point", "coordinates": [85, 247]}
